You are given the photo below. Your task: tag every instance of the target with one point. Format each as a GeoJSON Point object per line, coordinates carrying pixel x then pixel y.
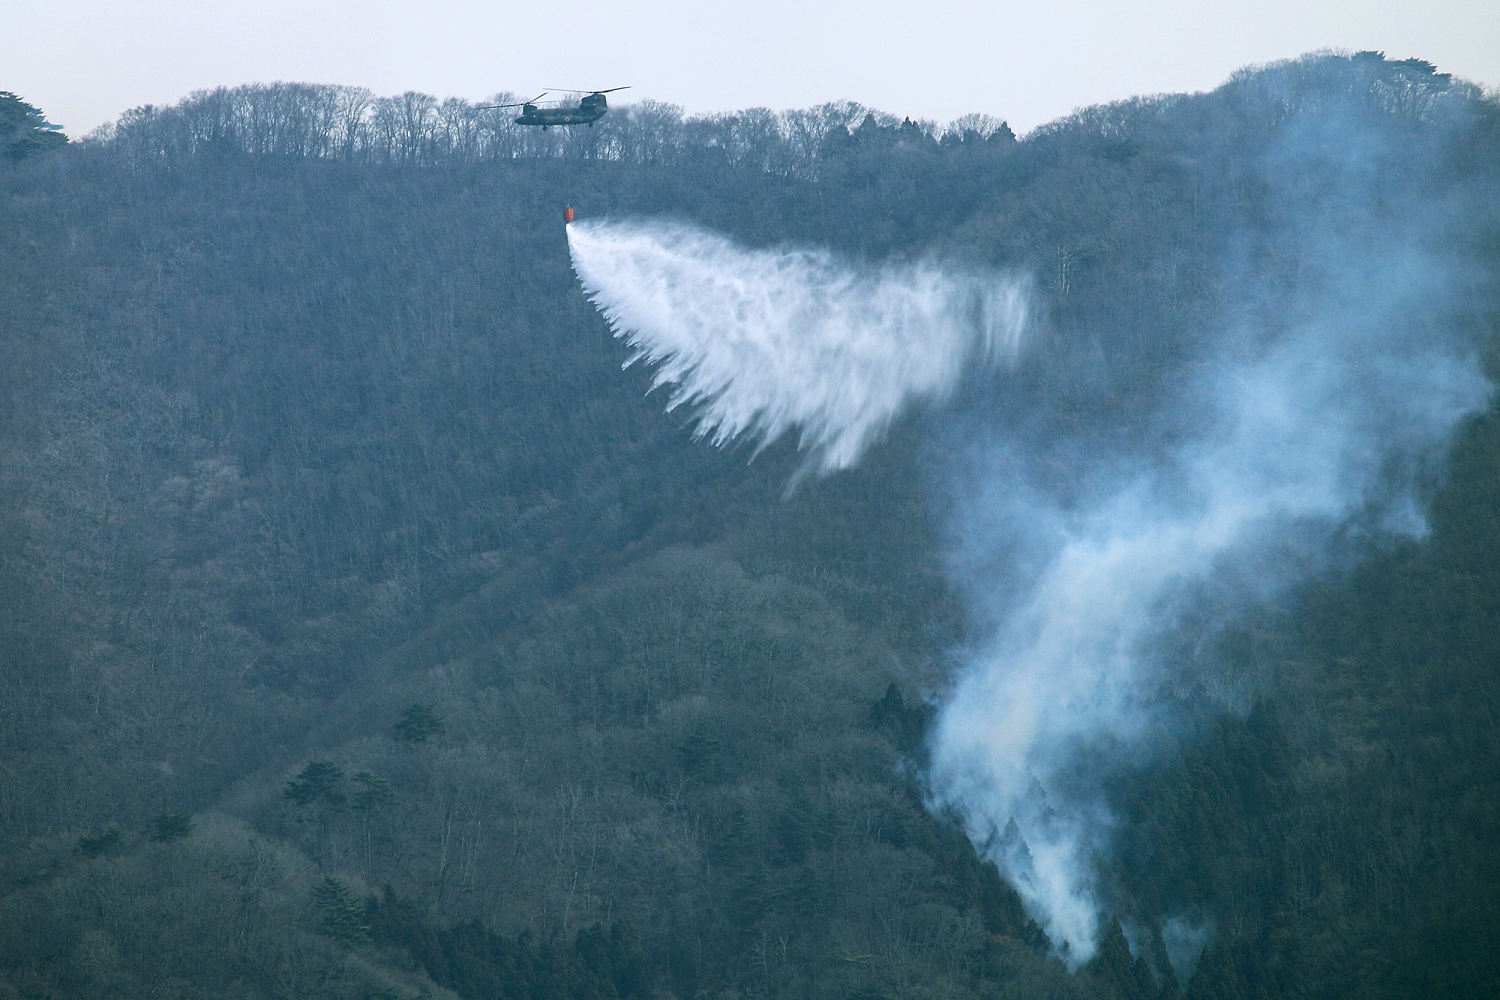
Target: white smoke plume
{"type": "Point", "coordinates": [1313, 411]}
{"type": "Point", "coordinates": [759, 342]}
{"type": "Point", "coordinates": [1286, 448]}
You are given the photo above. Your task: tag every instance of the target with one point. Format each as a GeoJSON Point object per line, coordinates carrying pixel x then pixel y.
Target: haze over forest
{"type": "Point", "coordinates": [857, 558]}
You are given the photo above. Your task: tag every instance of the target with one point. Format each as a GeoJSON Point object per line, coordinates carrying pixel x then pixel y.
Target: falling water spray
{"type": "Point", "coordinates": [757, 343]}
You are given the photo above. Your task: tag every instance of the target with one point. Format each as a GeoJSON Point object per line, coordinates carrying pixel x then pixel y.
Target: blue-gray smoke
{"type": "Point", "coordinates": [1330, 384]}
{"type": "Point", "coordinates": [1281, 449]}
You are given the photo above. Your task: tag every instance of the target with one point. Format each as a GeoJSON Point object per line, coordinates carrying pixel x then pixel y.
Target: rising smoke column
{"type": "Point", "coordinates": [1070, 687]}
{"type": "Point", "coordinates": [1312, 408]}
{"type": "Point", "coordinates": [758, 342]}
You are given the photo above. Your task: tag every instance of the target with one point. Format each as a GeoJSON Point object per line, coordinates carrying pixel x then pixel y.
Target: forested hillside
{"type": "Point", "coordinates": [366, 631]}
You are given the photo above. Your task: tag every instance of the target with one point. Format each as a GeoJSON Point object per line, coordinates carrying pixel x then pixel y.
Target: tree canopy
{"type": "Point", "coordinates": [25, 131]}
{"type": "Point", "coordinates": [365, 630]}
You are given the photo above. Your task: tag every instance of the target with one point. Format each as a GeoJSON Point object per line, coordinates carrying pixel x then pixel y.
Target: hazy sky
{"type": "Point", "coordinates": [83, 62]}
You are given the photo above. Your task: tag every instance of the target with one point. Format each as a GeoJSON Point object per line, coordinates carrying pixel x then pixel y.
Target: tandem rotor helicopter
{"type": "Point", "coordinates": [589, 109]}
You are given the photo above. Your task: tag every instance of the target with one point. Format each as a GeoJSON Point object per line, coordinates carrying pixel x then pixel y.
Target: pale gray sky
{"type": "Point", "coordinates": [83, 62]}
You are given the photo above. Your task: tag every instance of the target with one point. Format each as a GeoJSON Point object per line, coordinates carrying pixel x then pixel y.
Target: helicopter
{"type": "Point", "coordinates": [589, 109]}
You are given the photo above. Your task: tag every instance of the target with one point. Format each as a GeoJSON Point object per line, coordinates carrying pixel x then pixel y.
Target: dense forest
{"type": "Point", "coordinates": [366, 631]}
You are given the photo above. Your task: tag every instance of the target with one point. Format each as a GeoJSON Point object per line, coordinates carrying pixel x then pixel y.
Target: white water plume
{"type": "Point", "coordinates": [759, 342]}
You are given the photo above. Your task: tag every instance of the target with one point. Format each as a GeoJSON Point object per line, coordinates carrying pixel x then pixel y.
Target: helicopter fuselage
{"type": "Point", "coordinates": [585, 112]}
{"type": "Point", "coordinates": [558, 116]}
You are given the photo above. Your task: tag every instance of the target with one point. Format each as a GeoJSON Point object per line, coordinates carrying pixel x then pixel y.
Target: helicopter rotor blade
{"type": "Point", "coordinates": [519, 104]}
{"type": "Point", "coordinates": [566, 90]}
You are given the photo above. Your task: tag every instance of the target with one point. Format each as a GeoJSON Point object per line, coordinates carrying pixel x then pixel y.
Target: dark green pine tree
{"type": "Point", "coordinates": [108, 844]}
{"type": "Point", "coordinates": [418, 724]}
{"type": "Point", "coordinates": [1117, 972]}
{"type": "Point", "coordinates": [342, 915]}
{"type": "Point", "coordinates": [24, 130]}
{"type": "Point", "coordinates": [319, 781]}
{"type": "Point", "coordinates": [171, 826]}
